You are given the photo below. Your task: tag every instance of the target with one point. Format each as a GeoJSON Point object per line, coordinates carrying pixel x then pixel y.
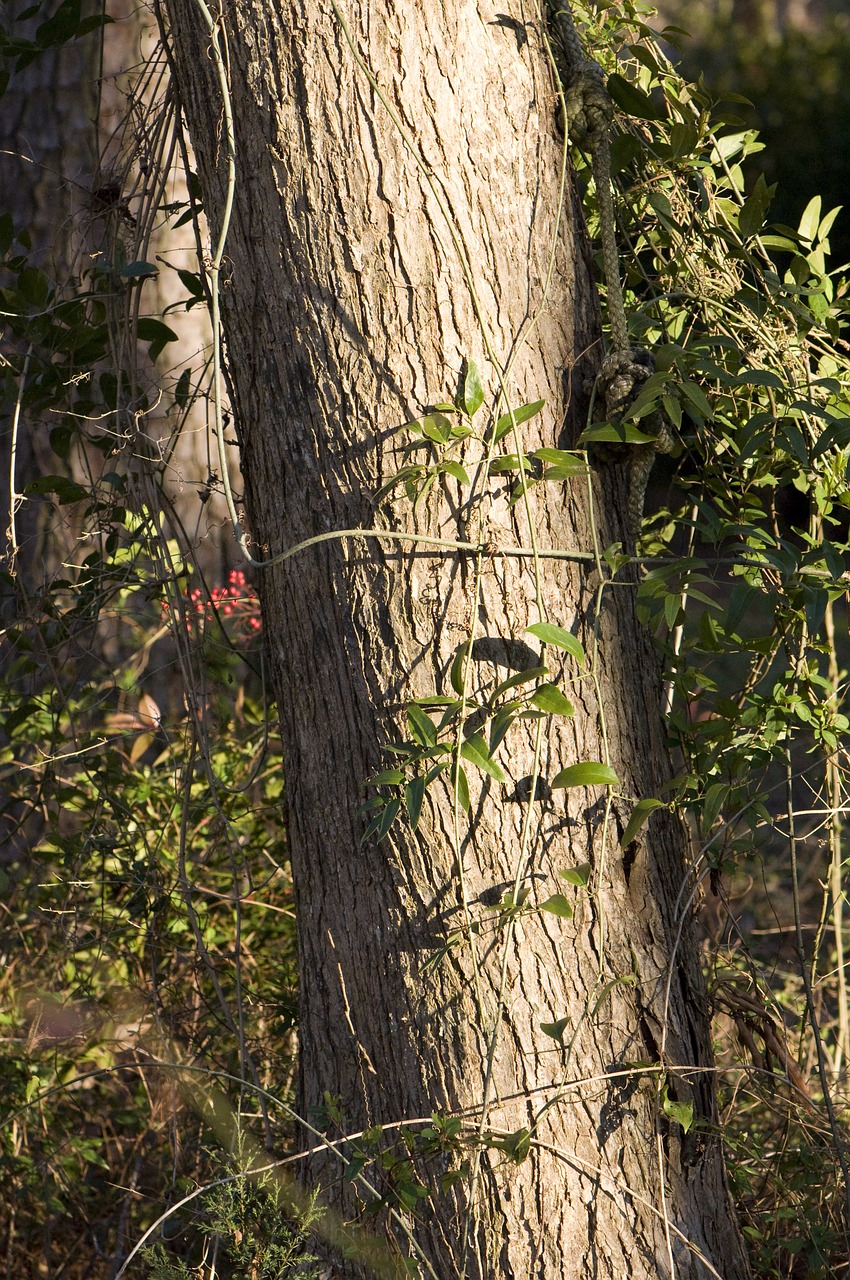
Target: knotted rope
{"type": "Point", "coordinates": [625, 368]}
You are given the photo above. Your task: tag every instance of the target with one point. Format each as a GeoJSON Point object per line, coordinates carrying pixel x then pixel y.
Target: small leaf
{"type": "Point", "coordinates": [579, 875]}
{"type": "Point", "coordinates": [139, 270]}
{"type": "Point", "coordinates": [810, 220]}
{"type": "Point", "coordinates": [522, 414]}
{"type": "Point", "coordinates": [422, 727]}
{"type": "Point", "coordinates": [588, 773]}
{"type": "Point", "coordinates": [639, 815]}
{"type": "Point", "coordinates": [516, 1145]}
{"type": "Point", "coordinates": [156, 333]}
{"type": "Point", "coordinates": [473, 392]}
{"type": "Point", "coordinates": [681, 1112]}
{"type": "Point", "coordinates": [461, 786]}
{"type": "Point", "coordinates": [386, 778]}
{"type": "Point", "coordinates": [549, 633]}
{"type": "Point", "coordinates": [557, 905]}
{"type": "Point", "coordinates": [475, 750]}
{"type": "Point", "coordinates": [456, 470]}
{"type": "Point", "coordinates": [458, 667]}
{"type": "Point", "coordinates": [414, 794]}
{"type": "Point", "coordinates": [614, 433]}
{"type": "Point", "coordinates": [388, 817]}
{"type": "Point", "coordinates": [555, 1029]}
{"type": "Point", "coordinates": [521, 677]}
{"type": "Point", "coordinates": [548, 698]}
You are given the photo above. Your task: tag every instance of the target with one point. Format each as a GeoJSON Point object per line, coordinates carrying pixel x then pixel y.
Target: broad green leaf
{"type": "Point", "coordinates": [476, 751]}
{"type": "Point", "coordinates": [455, 469]}
{"type": "Point", "coordinates": [549, 633]}
{"type": "Point", "coordinates": [422, 727]}
{"type": "Point", "coordinates": [629, 98]}
{"type": "Point", "coordinates": [560, 458]}
{"type": "Point", "coordinates": [434, 427]}
{"type": "Point", "coordinates": [555, 1029]}
{"type": "Point", "coordinates": [614, 433]}
{"type": "Point", "coordinates": [508, 462]}
{"type": "Point", "coordinates": [473, 392]}
{"type": "Point", "coordinates": [414, 793]}
{"type": "Point", "coordinates": [579, 875]}
{"type": "Point", "coordinates": [681, 1112]}
{"type": "Point", "coordinates": [639, 815]}
{"type": "Point", "coordinates": [522, 414]}
{"type": "Point", "coordinates": [587, 773]}
{"type": "Point", "coordinates": [548, 698]}
{"type": "Point", "coordinates": [386, 778]}
{"type": "Point", "coordinates": [388, 818]}
{"type": "Point", "coordinates": [557, 905]}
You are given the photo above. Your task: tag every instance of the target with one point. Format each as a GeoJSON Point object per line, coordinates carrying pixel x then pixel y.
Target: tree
{"type": "Point", "coordinates": [400, 222]}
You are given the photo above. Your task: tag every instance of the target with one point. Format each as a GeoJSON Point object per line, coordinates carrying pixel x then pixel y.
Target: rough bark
{"type": "Point", "coordinates": [346, 313]}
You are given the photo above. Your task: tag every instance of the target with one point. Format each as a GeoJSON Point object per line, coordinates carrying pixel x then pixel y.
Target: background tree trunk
{"type": "Point", "coordinates": [347, 313]}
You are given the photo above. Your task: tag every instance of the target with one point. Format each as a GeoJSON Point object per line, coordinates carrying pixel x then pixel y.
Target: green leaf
{"type": "Point", "coordinates": [557, 905]}
{"type": "Point", "coordinates": [66, 490]}
{"type": "Point", "coordinates": [548, 698]}
{"type": "Point", "coordinates": [458, 667]}
{"type": "Point", "coordinates": [578, 876]}
{"type": "Point", "coordinates": [386, 778]}
{"type": "Point", "coordinates": [476, 751]}
{"type": "Point", "coordinates": [696, 395]}
{"type": "Point", "coordinates": [681, 1112]}
{"type": "Point", "coordinates": [422, 727]}
{"type": "Point", "coordinates": [521, 677]}
{"type": "Point", "coordinates": [473, 392]}
{"type": "Point", "coordinates": [516, 1145]}
{"type": "Point", "coordinates": [182, 388]}
{"type": "Point", "coordinates": [555, 1029]}
{"type": "Point", "coordinates": [456, 470]}
{"type": "Point", "coordinates": [522, 414]}
{"type": "Point", "coordinates": [434, 426]}
{"type": "Point", "coordinates": [629, 98]}
{"type": "Point", "coordinates": [414, 794]}
{"type": "Point", "coordinates": [614, 433]}
{"type": "Point", "coordinates": [639, 815]}
{"type": "Point", "coordinates": [138, 270]}
{"type": "Point", "coordinates": [757, 378]}
{"type": "Point", "coordinates": [549, 633]}
{"type": "Point", "coordinates": [587, 773]}
{"type": "Point", "coordinates": [461, 786]}
{"type": "Point", "coordinates": [751, 217]}
{"type": "Point", "coordinates": [156, 333]}
{"type": "Point", "coordinates": [810, 220]}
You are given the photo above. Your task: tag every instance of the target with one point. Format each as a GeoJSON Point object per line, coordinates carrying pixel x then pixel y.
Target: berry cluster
{"type": "Point", "coordinates": [237, 601]}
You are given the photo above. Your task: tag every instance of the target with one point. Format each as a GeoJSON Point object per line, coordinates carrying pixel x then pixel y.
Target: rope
{"type": "Point", "coordinates": [625, 368]}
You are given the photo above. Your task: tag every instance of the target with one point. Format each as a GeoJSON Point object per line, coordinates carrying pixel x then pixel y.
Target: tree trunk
{"type": "Point", "coordinates": [347, 313]}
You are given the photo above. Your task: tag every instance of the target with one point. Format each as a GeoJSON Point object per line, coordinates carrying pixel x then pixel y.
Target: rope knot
{"type": "Point", "coordinates": [589, 108]}
{"type": "Point", "coordinates": [621, 377]}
